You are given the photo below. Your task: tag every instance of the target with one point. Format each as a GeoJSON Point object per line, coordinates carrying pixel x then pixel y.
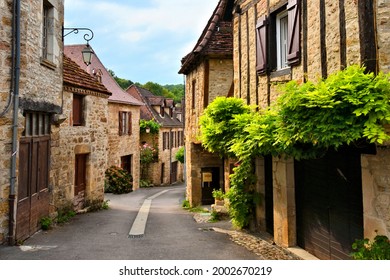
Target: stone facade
{"type": "Point", "coordinates": [40, 86]}
{"type": "Point", "coordinates": [120, 146]}
{"type": "Point", "coordinates": [209, 74]}
{"type": "Point", "coordinates": [159, 172]}
{"type": "Point", "coordinates": [332, 35]}
{"type": "Point", "coordinates": [218, 85]}
{"type": "Point", "coordinates": [90, 139]}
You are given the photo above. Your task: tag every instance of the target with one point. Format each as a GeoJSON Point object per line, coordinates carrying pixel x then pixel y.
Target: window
{"type": "Point", "coordinates": [78, 104]}
{"type": "Point", "coordinates": [280, 47]}
{"type": "Point", "coordinates": [162, 111]}
{"type": "Point", "coordinates": [36, 124]}
{"type": "Point", "coordinates": [125, 126]}
{"type": "Point", "coordinates": [47, 32]}
{"type": "Point", "coordinates": [281, 39]}
{"type": "Point", "coordinates": [193, 93]}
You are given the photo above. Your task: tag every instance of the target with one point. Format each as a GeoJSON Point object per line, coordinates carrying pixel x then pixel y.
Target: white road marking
{"type": "Point", "coordinates": [139, 224]}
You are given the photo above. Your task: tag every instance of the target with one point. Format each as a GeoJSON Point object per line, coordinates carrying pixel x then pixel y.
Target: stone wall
{"type": "Point", "coordinates": [124, 145]}
{"type": "Point", "coordinates": [40, 84]}
{"type": "Point", "coordinates": [69, 140]}
{"type": "Point", "coordinates": [376, 192]}
{"type": "Point", "coordinates": [220, 78]}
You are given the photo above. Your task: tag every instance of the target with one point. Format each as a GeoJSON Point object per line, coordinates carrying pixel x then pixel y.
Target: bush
{"type": "Point", "coordinates": [180, 155]}
{"type": "Point", "coordinates": [378, 249]}
{"type": "Point", "coordinates": [118, 181]}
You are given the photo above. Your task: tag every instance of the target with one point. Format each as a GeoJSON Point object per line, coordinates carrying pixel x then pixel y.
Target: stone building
{"type": "Point", "coordinates": [169, 139]}
{"type": "Point", "coordinates": [277, 41]}
{"type": "Point", "coordinates": [80, 141]}
{"type": "Point", "coordinates": [123, 117]}
{"type": "Point", "coordinates": [30, 99]}
{"type": "Point", "coordinates": [208, 71]}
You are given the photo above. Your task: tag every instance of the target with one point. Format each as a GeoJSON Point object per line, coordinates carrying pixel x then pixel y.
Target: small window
{"type": "Point", "coordinates": [162, 111]}
{"type": "Point", "coordinates": [47, 31]}
{"type": "Point", "coordinates": [78, 110]}
{"type": "Point", "coordinates": [281, 39]}
{"type": "Point", "coordinates": [193, 93]}
{"type": "Point", "coordinates": [125, 123]}
{"type": "Point", "coordinates": [36, 124]}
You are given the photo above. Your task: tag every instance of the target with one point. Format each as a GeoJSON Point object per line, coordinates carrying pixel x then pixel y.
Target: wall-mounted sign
{"type": "Point", "coordinates": [207, 177]}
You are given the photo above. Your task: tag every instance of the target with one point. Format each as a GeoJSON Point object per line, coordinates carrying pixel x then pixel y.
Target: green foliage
{"type": "Point", "coordinates": [378, 249]}
{"type": "Point", "coordinates": [118, 181]}
{"type": "Point", "coordinates": [241, 194]}
{"type": "Point", "coordinates": [64, 215]}
{"type": "Point", "coordinates": [151, 124]}
{"type": "Point", "coordinates": [143, 183]}
{"type": "Point", "coordinates": [180, 154]}
{"type": "Point", "coordinates": [46, 223]}
{"type": "Point", "coordinates": [218, 194]}
{"type": "Point", "coordinates": [217, 129]}
{"type": "Point", "coordinates": [123, 83]}
{"type": "Point", "coordinates": [185, 204]}
{"type": "Point", "coordinates": [306, 120]}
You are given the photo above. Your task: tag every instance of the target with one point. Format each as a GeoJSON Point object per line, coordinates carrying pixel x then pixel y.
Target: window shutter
{"type": "Point", "coordinates": [120, 123]}
{"type": "Point", "coordinates": [261, 45]}
{"type": "Point", "coordinates": [129, 124]}
{"type": "Point", "coordinates": [294, 30]}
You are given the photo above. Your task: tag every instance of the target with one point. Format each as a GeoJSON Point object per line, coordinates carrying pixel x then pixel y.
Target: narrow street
{"type": "Point", "coordinates": [170, 233]}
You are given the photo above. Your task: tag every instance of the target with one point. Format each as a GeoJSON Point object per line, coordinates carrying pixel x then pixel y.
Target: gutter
{"type": "Point", "coordinates": [15, 89]}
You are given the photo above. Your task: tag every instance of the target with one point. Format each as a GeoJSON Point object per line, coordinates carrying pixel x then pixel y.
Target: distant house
{"type": "Point", "coordinates": [166, 169]}
{"type": "Point", "coordinates": [80, 140]}
{"type": "Point", "coordinates": [209, 73]}
{"type": "Point", "coordinates": [123, 117]}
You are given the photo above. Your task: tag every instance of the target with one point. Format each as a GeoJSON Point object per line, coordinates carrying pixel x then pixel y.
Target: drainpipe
{"type": "Point", "coordinates": [15, 87]}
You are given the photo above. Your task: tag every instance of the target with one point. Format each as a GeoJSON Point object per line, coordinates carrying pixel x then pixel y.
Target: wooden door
{"type": "Point", "coordinates": [209, 184]}
{"type": "Point", "coordinates": [173, 172]}
{"type": "Point", "coordinates": [329, 204]}
{"type": "Point", "coordinates": [33, 186]}
{"type": "Point", "coordinates": [80, 174]}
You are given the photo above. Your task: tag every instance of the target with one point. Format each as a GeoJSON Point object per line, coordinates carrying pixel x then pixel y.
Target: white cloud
{"type": "Point", "coordinates": [145, 32]}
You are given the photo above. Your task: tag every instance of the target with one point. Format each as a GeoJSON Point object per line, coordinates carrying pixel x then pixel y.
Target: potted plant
{"type": "Point", "coordinates": [218, 196]}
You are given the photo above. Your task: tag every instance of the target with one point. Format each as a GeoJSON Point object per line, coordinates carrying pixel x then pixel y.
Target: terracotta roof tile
{"type": "Point", "coordinates": [97, 68]}
{"type": "Point", "coordinates": [216, 38]}
{"type": "Point", "coordinates": [77, 77]}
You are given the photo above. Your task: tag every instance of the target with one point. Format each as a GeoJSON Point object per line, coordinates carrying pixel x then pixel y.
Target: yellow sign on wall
{"type": "Point", "coordinates": [207, 177]}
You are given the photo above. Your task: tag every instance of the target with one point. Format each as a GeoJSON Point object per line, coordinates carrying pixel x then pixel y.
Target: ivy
{"type": "Point", "coordinates": [152, 125]}
{"type": "Point", "coordinates": [304, 122]}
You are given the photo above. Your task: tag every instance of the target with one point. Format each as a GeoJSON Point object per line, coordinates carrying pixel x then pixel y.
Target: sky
{"type": "Point", "coordinates": [140, 40]}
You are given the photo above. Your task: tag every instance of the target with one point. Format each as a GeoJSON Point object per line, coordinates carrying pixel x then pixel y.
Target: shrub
{"type": "Point", "coordinates": [118, 181]}
{"type": "Point", "coordinates": [378, 249]}
{"type": "Point", "coordinates": [180, 155]}
{"type": "Point", "coordinates": [218, 194]}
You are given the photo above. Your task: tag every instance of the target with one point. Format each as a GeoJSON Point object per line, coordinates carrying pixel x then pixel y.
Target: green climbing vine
{"type": "Point", "coordinates": [348, 107]}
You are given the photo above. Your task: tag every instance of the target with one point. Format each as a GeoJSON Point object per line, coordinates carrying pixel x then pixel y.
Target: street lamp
{"type": "Point", "coordinates": [87, 52]}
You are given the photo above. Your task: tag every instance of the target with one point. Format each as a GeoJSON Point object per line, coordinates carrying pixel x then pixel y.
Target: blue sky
{"type": "Point", "coordinates": [140, 40]}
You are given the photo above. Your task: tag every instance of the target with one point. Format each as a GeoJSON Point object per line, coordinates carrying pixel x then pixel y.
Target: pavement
{"type": "Point", "coordinates": [114, 225]}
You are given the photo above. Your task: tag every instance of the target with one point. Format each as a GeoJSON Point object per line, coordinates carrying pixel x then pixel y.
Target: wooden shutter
{"type": "Point", "coordinates": [77, 110]}
{"type": "Point", "coordinates": [261, 45]}
{"type": "Point", "coordinates": [129, 126]}
{"type": "Point", "coordinates": [120, 124]}
{"type": "Point", "coordinates": [294, 30]}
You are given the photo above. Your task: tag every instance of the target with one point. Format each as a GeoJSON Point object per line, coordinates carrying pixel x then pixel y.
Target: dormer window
{"type": "Point", "coordinates": [171, 112]}
{"type": "Point", "coordinates": [162, 111]}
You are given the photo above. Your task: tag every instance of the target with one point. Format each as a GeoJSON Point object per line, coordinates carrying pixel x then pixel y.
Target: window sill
{"type": "Point", "coordinates": [280, 73]}
{"type": "Point", "coordinates": [47, 63]}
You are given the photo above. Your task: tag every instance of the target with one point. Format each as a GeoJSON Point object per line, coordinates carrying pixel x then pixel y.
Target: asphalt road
{"type": "Point", "coordinates": [171, 233]}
